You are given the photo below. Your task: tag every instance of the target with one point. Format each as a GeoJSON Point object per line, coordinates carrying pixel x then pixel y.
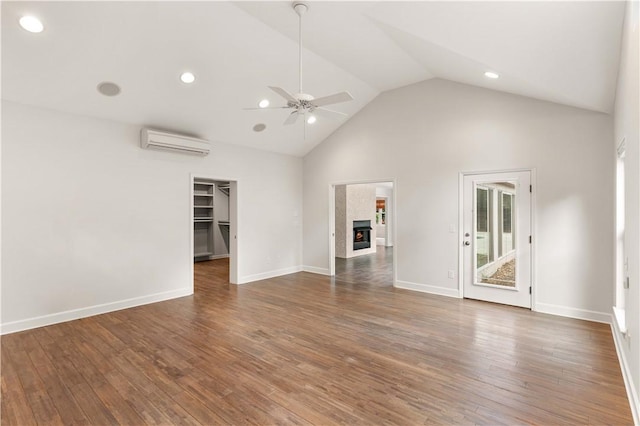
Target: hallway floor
{"type": "Point", "coordinates": [372, 270]}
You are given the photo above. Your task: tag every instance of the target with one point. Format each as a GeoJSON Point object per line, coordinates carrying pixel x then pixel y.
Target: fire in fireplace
{"type": "Point", "coordinates": [361, 234]}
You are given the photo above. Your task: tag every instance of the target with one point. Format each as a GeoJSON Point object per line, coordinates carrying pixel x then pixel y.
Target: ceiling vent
{"type": "Point", "coordinates": [155, 139]}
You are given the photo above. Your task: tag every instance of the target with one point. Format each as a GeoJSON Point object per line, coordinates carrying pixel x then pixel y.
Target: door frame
{"type": "Point", "coordinates": [233, 224]}
{"type": "Point", "coordinates": [534, 184]}
{"type": "Point", "coordinates": [332, 222]}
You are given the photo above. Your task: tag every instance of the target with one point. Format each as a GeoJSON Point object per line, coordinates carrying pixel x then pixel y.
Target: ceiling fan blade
{"type": "Point", "coordinates": [280, 91]}
{"type": "Point", "coordinates": [324, 111]}
{"type": "Point", "coordinates": [292, 118]}
{"type": "Point", "coordinates": [251, 109]}
{"type": "Point", "coordinates": [336, 98]}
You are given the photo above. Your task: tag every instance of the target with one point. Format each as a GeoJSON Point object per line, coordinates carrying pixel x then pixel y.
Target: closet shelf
{"type": "Point", "coordinates": [203, 213]}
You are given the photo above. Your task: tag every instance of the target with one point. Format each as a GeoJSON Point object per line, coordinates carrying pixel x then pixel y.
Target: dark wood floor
{"type": "Point", "coordinates": [300, 349]}
{"type": "Point", "coordinates": [370, 270]}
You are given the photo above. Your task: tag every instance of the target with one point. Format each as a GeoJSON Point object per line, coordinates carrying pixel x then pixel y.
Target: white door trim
{"type": "Point", "coordinates": [234, 224]}
{"type": "Point", "coordinates": [332, 222]}
{"type": "Point", "coordinates": [534, 184]}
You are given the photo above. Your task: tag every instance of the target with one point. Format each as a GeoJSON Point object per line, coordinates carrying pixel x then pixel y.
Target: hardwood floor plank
{"type": "Point", "coordinates": [187, 402]}
{"type": "Point", "coordinates": [16, 409]}
{"type": "Point", "coordinates": [308, 349]}
{"type": "Point", "coordinates": [151, 392]}
{"type": "Point", "coordinates": [60, 395]}
{"type": "Point", "coordinates": [43, 408]}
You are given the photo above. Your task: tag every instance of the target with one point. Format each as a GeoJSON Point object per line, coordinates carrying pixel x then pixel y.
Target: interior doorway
{"type": "Point", "coordinates": [362, 225]}
{"type": "Point", "coordinates": [213, 224]}
{"type": "Point", "coordinates": [497, 237]}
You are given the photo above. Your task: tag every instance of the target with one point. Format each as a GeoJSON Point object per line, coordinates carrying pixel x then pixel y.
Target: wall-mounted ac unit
{"type": "Point", "coordinates": [155, 139]}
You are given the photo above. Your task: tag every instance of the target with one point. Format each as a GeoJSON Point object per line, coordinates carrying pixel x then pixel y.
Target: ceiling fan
{"type": "Point", "coordinates": [302, 103]}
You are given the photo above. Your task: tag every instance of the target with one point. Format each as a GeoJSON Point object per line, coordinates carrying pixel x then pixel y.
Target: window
{"type": "Point", "coordinates": [484, 238]}
{"type": "Point", "coordinates": [482, 195]}
{"type": "Point", "coordinates": [507, 240]}
{"type": "Point", "coordinates": [495, 227]}
{"type": "Point", "coordinates": [506, 212]}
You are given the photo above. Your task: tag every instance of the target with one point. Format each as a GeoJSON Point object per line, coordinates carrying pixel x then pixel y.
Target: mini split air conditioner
{"type": "Point", "coordinates": [155, 139]}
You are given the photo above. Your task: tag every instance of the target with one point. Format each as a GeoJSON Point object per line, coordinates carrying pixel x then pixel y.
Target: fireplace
{"type": "Point", "coordinates": [361, 234]}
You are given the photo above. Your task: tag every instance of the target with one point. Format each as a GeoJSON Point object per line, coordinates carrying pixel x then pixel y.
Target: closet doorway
{"type": "Point", "coordinates": [362, 225]}
{"type": "Point", "coordinates": [213, 224]}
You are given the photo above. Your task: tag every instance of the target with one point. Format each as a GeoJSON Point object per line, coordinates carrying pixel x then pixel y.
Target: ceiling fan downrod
{"type": "Point", "coordinates": [300, 8]}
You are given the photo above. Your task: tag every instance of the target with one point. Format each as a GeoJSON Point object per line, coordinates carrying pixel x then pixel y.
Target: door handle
{"type": "Point", "coordinates": [467, 243]}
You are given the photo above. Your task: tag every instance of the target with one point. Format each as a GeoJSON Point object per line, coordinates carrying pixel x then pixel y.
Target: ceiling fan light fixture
{"type": "Point", "coordinates": [492, 75]}
{"type": "Point", "coordinates": [312, 119]}
{"type": "Point", "coordinates": [263, 103]}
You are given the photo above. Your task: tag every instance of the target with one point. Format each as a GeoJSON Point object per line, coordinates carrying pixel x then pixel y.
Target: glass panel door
{"type": "Point", "coordinates": [496, 244]}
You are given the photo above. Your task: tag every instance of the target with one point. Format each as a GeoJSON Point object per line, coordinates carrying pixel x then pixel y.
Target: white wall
{"type": "Point", "coordinates": [626, 124]}
{"type": "Point", "coordinates": [429, 132]}
{"type": "Point", "coordinates": [90, 219]}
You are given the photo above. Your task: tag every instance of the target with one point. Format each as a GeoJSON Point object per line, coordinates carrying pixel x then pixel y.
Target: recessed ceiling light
{"type": "Point", "coordinates": [259, 127]}
{"type": "Point", "coordinates": [490, 74]}
{"type": "Point", "coordinates": [31, 24]}
{"type": "Point", "coordinates": [263, 103]}
{"type": "Point", "coordinates": [311, 119]}
{"type": "Point", "coordinates": [108, 88]}
{"type": "Point", "coordinates": [187, 77]}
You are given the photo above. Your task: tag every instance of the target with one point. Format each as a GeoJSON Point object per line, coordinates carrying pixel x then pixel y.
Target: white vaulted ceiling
{"type": "Point", "coordinates": [565, 52]}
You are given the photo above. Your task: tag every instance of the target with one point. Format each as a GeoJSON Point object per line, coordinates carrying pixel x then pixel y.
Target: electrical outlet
{"type": "Point", "coordinates": [452, 274]}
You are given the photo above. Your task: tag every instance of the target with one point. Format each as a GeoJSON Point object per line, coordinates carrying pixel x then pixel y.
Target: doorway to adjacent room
{"type": "Point", "coordinates": [213, 214]}
{"type": "Point", "coordinates": [361, 240]}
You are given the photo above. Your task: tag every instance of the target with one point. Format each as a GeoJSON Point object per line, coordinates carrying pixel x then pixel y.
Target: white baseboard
{"type": "Point", "coordinates": [567, 311]}
{"type": "Point", "coordinates": [27, 324]}
{"type": "Point", "coordinates": [425, 288]}
{"type": "Point", "coordinates": [218, 256]}
{"type": "Point", "coordinates": [632, 393]}
{"type": "Point", "coordinates": [269, 274]}
{"type": "Point", "coordinates": [381, 241]}
{"type": "Point", "coordinates": [315, 270]}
